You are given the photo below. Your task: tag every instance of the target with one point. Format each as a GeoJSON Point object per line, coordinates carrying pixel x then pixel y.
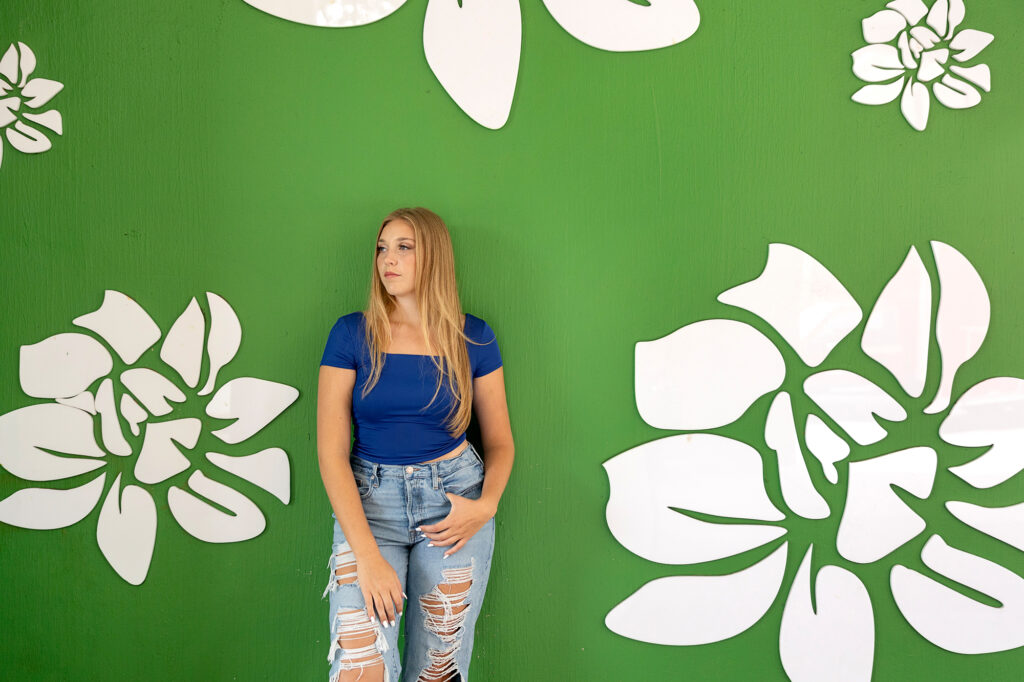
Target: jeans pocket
{"type": "Point", "coordinates": [465, 481]}
{"type": "Point", "coordinates": [364, 482]}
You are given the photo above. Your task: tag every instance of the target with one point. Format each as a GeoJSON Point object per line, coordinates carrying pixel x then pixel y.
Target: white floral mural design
{"type": "Point", "coordinates": [700, 497]}
{"type": "Point", "coordinates": [55, 440]}
{"type": "Point", "coordinates": [22, 102]}
{"type": "Point", "coordinates": [913, 47]}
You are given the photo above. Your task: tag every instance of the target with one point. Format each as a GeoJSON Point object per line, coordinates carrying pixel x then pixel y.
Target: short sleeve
{"type": "Point", "coordinates": [340, 350]}
{"type": "Point", "coordinates": [484, 355]}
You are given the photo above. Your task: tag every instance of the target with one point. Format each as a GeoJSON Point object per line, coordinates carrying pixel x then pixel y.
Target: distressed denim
{"type": "Point", "coordinates": [439, 641]}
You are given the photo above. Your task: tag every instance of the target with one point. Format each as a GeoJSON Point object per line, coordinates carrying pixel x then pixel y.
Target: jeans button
{"type": "Point", "coordinates": [409, 470]}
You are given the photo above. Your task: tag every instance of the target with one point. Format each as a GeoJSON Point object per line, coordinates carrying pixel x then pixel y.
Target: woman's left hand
{"type": "Point", "coordinates": [463, 521]}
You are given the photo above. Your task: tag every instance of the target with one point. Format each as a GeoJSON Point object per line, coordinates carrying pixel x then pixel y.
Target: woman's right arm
{"type": "Point", "coordinates": [377, 579]}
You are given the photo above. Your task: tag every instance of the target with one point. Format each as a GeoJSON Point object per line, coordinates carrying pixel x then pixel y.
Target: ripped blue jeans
{"type": "Point", "coordinates": [444, 595]}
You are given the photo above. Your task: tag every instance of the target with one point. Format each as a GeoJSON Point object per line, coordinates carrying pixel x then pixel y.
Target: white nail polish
{"type": "Point", "coordinates": [430, 544]}
{"type": "Point", "coordinates": [392, 623]}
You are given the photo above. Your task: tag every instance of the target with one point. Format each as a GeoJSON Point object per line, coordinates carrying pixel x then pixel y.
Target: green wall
{"type": "Point", "coordinates": [211, 147]}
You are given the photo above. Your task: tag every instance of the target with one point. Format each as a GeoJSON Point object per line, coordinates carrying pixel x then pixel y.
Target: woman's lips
{"type": "Point", "coordinates": [391, 274]}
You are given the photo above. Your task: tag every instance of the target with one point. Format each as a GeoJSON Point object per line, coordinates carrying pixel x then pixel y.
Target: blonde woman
{"type": "Point", "coordinates": [413, 501]}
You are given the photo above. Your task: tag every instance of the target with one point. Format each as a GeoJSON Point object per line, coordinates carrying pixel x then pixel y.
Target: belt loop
{"type": "Point", "coordinates": [376, 475]}
{"type": "Point", "coordinates": [434, 475]}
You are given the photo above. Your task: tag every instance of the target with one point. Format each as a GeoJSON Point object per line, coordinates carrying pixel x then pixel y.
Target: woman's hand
{"type": "Point", "coordinates": [381, 588]}
{"type": "Point", "coordinates": [463, 521]}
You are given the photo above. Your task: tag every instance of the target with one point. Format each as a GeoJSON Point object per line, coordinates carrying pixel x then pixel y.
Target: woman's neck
{"type": "Point", "coordinates": [406, 311]}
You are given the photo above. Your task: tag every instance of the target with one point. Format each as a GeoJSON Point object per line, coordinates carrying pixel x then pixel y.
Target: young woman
{"type": "Point", "coordinates": [413, 500]}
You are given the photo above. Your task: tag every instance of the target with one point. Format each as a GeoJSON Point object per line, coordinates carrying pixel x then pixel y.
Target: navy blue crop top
{"type": "Point", "coordinates": [391, 426]}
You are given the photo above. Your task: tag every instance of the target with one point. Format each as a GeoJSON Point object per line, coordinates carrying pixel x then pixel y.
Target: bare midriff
{"type": "Point", "coordinates": [449, 455]}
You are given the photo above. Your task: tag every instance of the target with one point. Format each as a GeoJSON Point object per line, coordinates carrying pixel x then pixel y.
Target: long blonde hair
{"type": "Point", "coordinates": [437, 297]}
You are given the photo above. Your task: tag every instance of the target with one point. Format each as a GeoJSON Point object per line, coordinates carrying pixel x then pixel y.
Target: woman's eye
{"type": "Point", "coordinates": [380, 249]}
{"type": "Point", "coordinates": [405, 247]}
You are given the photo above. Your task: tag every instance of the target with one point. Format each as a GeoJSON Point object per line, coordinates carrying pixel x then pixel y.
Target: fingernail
{"type": "Point", "coordinates": [392, 623]}
{"type": "Point", "coordinates": [384, 623]}
{"type": "Point", "coordinates": [430, 544]}
{"type": "Point", "coordinates": [417, 527]}
{"type": "Point", "coordinates": [405, 595]}
{"type": "Point", "coordinates": [445, 556]}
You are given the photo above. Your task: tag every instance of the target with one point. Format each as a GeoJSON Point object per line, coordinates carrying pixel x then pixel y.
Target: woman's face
{"type": "Point", "coordinates": [396, 258]}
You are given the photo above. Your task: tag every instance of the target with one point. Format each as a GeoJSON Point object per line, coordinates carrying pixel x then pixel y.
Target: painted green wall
{"type": "Point", "coordinates": [209, 146]}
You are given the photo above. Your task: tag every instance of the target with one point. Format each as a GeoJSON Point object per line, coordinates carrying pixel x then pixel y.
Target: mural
{"type": "Point", "coordinates": [17, 88]}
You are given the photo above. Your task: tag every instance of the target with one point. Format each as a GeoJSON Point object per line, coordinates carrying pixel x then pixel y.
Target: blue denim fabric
{"type": "Point", "coordinates": [397, 499]}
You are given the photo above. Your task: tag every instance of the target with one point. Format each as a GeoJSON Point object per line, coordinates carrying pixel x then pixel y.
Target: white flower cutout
{"type": "Point", "coordinates": [55, 441]}
{"type": "Point", "coordinates": [698, 497]}
{"type": "Point", "coordinates": [473, 46]}
{"type": "Point", "coordinates": [22, 102]}
{"type": "Point", "coordinates": [907, 56]}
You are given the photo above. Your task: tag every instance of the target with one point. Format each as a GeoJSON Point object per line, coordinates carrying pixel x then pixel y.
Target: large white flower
{"type": "Point", "coordinates": [699, 497]}
{"type": "Point", "coordinates": [906, 56]}
{"type": "Point", "coordinates": [55, 440]}
{"type": "Point", "coordinates": [17, 88]}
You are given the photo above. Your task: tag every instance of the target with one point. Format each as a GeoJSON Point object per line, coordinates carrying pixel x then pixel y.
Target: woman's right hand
{"type": "Point", "coordinates": [381, 589]}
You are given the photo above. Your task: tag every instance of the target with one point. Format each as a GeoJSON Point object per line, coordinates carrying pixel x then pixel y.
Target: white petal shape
{"type": "Point", "coordinates": [48, 119]}
{"type": "Point", "coordinates": [132, 413]}
{"type": "Point", "coordinates": [331, 13]}
{"type": "Point", "coordinates": [898, 330]}
{"type": "Point", "coordinates": [883, 26]}
{"type": "Point", "coordinates": [110, 423]}
{"type": "Point", "coordinates": [962, 320]}
{"type": "Point", "coordinates": [802, 300]}
{"type": "Point", "coordinates": [915, 105]}
{"type": "Point", "coordinates": [875, 521]}
{"type": "Point", "coordinates": [875, 63]}
{"type": "Point", "coordinates": [851, 401]}
{"type": "Point", "coordinates": [797, 489]}
{"type": "Point", "coordinates": [473, 50]}
{"type": "Point", "coordinates": [126, 532]}
{"type": "Point", "coordinates": [39, 91]}
{"type": "Point", "coordinates": [160, 458]}
{"type": "Point", "coordinates": [931, 65]}
{"type": "Point", "coordinates": [183, 346]}
{"type": "Point", "coordinates": [253, 402]}
{"type": "Point", "coordinates": [906, 55]}
{"type": "Point", "coordinates": [700, 609]}
{"type": "Point", "coordinates": [938, 16]}
{"type": "Point", "coordinates": [27, 139]}
{"type": "Point", "coordinates": [208, 523]}
{"type": "Point", "coordinates": [62, 366]}
{"type": "Point", "coordinates": [956, 94]}
{"type": "Point", "coordinates": [705, 375]}
{"type": "Point", "coordinates": [123, 324]}
{"type": "Point", "coordinates": [28, 63]}
{"type": "Point", "coordinates": [989, 413]}
{"type": "Point", "coordinates": [152, 389]}
{"type": "Point", "coordinates": [836, 642]}
{"type": "Point", "coordinates": [269, 469]}
{"type": "Point", "coordinates": [225, 337]}
{"type": "Point", "coordinates": [956, 15]}
{"type": "Point", "coordinates": [48, 508]}
{"type": "Point", "coordinates": [696, 472]}
{"type": "Point", "coordinates": [8, 106]}
{"type": "Point", "coordinates": [1002, 523]}
{"type": "Point", "coordinates": [827, 447]}
{"type": "Point", "coordinates": [879, 94]}
{"type": "Point", "coordinates": [9, 65]}
{"type": "Point", "coordinates": [26, 434]}
{"type": "Point", "coordinates": [924, 36]}
{"type": "Point", "coordinates": [968, 43]}
{"type": "Point", "coordinates": [913, 10]}
{"type": "Point", "coordinates": [83, 401]}
{"type": "Point", "coordinates": [979, 75]}
{"type": "Point", "coordinates": [624, 26]}
{"type": "Point", "coordinates": [952, 621]}
{"type": "Point", "coordinates": [915, 48]}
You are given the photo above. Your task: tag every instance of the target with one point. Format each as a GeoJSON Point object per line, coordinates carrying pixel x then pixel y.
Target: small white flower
{"type": "Point", "coordinates": [21, 98]}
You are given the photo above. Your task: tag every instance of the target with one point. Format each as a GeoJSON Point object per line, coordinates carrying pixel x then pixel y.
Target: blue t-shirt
{"type": "Point", "coordinates": [391, 424]}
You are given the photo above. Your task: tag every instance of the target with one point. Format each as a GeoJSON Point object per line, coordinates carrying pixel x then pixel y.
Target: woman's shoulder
{"type": "Point", "coordinates": [478, 330]}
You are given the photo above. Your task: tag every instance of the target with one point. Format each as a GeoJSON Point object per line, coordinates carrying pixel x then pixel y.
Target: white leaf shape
{"type": "Point", "coordinates": [968, 43]}
{"type": "Point", "coordinates": [26, 434]}
{"type": "Point", "coordinates": [27, 139]}
{"type": "Point", "coordinates": [1002, 523]}
{"type": "Point", "coordinates": [8, 106]}
{"type": "Point", "coordinates": [952, 621]}
{"type": "Point", "coordinates": [253, 402]}
{"type": "Point", "coordinates": [50, 508]}
{"type": "Point", "coordinates": [938, 16]}
{"type": "Point", "coordinates": [962, 320]}
{"type": "Point", "coordinates": [700, 609]}
{"type": "Point", "coordinates": [126, 532]}
{"type": "Point", "coordinates": [83, 401]}
{"type": "Point", "coordinates": [160, 458]}
{"type": "Point", "coordinates": [28, 63]}
{"type": "Point", "coordinates": [225, 338]}
{"type": "Point", "coordinates": [152, 389]}
{"type": "Point", "coordinates": [852, 401]}
{"type": "Point", "coordinates": [62, 366]}
{"type": "Point", "coordinates": [931, 65]}
{"type": "Point", "coordinates": [797, 489]}
{"type": "Point", "coordinates": [913, 10]}
{"type": "Point", "coordinates": [989, 413]}
{"type": "Point", "coordinates": [802, 300]}
{"type": "Point", "coordinates": [9, 65]}
{"type": "Point", "coordinates": [980, 75]}
{"type": "Point", "coordinates": [956, 15]}
{"type": "Point", "coordinates": [883, 26]}
{"type": "Point", "coordinates": [826, 446]}
{"type": "Point", "coordinates": [39, 91]}
{"type": "Point", "coordinates": [879, 94]}
{"type": "Point", "coordinates": [473, 49]}
{"type": "Point", "coordinates": [915, 104]}
{"type": "Point", "coordinates": [132, 413]}
{"type": "Point", "coordinates": [48, 119]}
{"type": "Point", "coordinates": [898, 330]}
{"type": "Point", "coordinates": [906, 54]}
{"type": "Point", "coordinates": [836, 642]}
{"type": "Point", "coordinates": [876, 63]}
{"type": "Point", "coordinates": [269, 469]}
{"type": "Point", "coordinates": [183, 346]}
{"type": "Point", "coordinates": [624, 26]}
{"type": "Point", "coordinates": [875, 521]}
{"type": "Point", "coordinates": [924, 36]}
{"type": "Point", "coordinates": [123, 324]}
{"type": "Point", "coordinates": [110, 423]}
{"type": "Point", "coordinates": [208, 523]}
{"type": "Point", "coordinates": [705, 375]}
{"type": "Point", "coordinates": [696, 472]}
{"type": "Point", "coordinates": [331, 13]}
{"type": "Point", "coordinates": [956, 94]}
